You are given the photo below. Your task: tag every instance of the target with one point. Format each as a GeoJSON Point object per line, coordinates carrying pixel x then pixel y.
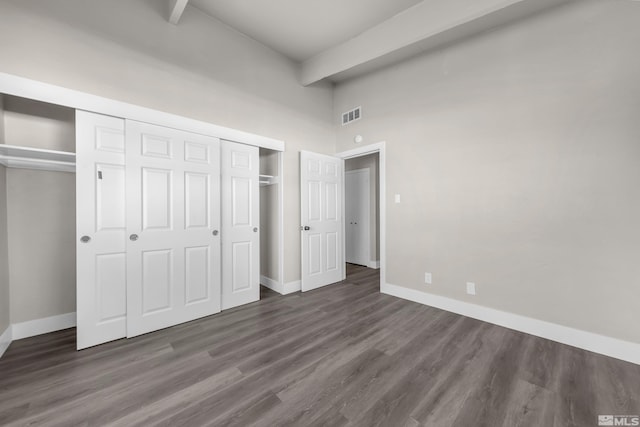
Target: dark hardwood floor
{"type": "Point", "coordinates": [343, 355]}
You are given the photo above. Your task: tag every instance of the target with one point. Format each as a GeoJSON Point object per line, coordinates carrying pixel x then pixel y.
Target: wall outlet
{"type": "Point", "coordinates": [397, 198]}
{"type": "Point", "coordinates": [471, 288]}
{"type": "Point", "coordinates": [427, 278]}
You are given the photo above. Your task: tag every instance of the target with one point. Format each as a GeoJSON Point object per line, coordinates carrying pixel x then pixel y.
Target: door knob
{"type": "Point", "coordinates": [85, 239]}
{"type": "Point", "coordinates": [306, 228]}
{"type": "Point", "coordinates": [214, 232]}
{"type": "Point", "coordinates": [255, 229]}
{"type": "Point", "coordinates": [133, 237]}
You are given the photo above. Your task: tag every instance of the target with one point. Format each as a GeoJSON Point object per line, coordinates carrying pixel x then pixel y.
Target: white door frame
{"type": "Point", "coordinates": [280, 185]}
{"type": "Point", "coordinates": [380, 148]}
{"type": "Point", "coordinates": [366, 172]}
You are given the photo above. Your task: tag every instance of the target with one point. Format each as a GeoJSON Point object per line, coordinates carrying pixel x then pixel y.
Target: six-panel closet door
{"type": "Point", "coordinates": [101, 289]}
{"type": "Point", "coordinates": [240, 219]}
{"type": "Point", "coordinates": [173, 222]}
{"type": "Point", "coordinates": [167, 227]}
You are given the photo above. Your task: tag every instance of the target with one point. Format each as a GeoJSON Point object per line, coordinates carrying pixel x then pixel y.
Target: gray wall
{"type": "Point", "coordinates": [42, 255]}
{"type": "Point", "coordinates": [371, 162]}
{"type": "Point", "coordinates": [199, 69]}
{"type": "Point", "coordinates": [517, 156]}
{"type": "Point", "coordinates": [39, 125]}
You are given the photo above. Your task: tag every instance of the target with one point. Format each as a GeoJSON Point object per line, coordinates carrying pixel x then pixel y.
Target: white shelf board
{"type": "Point", "coordinates": [14, 156]}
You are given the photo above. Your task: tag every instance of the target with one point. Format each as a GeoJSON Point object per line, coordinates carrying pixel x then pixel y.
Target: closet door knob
{"type": "Point", "coordinates": [133, 237]}
{"type": "Point", "coordinates": [255, 229]}
{"type": "Point", "coordinates": [85, 239]}
{"type": "Point", "coordinates": [214, 232]}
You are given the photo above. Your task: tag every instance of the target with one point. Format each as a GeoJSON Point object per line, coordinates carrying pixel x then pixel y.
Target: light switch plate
{"type": "Point", "coordinates": [471, 288]}
{"type": "Point", "coordinates": [427, 278]}
{"type": "Point", "coordinates": [397, 198]}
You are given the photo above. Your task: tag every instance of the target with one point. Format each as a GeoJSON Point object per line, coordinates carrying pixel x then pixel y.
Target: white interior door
{"type": "Point", "coordinates": [101, 292]}
{"type": "Point", "coordinates": [357, 216]}
{"type": "Point", "coordinates": [240, 224]}
{"type": "Point", "coordinates": [321, 220]}
{"type": "Point", "coordinates": [173, 219]}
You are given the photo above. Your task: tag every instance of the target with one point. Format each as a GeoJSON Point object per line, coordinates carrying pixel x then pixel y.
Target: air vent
{"type": "Point", "coordinates": [351, 116]}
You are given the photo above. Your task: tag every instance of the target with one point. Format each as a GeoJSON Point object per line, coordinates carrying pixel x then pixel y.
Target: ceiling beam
{"type": "Point", "coordinates": [176, 8]}
{"type": "Point", "coordinates": [426, 25]}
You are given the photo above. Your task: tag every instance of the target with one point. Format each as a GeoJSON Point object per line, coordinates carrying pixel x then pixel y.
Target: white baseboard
{"type": "Point", "coordinates": [291, 287]}
{"type": "Point", "coordinates": [287, 288]}
{"type": "Point", "coordinates": [43, 326]}
{"type": "Point", "coordinates": [613, 347]}
{"type": "Point", "coordinates": [5, 340]}
{"type": "Point", "coordinates": [374, 264]}
{"type": "Point", "coordinates": [274, 285]}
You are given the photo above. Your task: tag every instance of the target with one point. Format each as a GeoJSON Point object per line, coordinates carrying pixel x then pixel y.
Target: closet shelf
{"type": "Point", "coordinates": [13, 156]}
{"type": "Point", "coordinates": [268, 180]}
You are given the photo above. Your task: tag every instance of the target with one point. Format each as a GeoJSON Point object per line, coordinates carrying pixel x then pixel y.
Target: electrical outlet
{"type": "Point", "coordinates": [427, 278]}
{"type": "Point", "coordinates": [471, 288]}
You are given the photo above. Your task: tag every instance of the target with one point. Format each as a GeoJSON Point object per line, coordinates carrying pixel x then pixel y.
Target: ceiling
{"type": "Point", "coordinates": [300, 29]}
{"type": "Point", "coordinates": [338, 39]}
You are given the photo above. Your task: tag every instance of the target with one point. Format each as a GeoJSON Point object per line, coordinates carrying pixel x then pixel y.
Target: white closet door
{"type": "Point", "coordinates": [100, 218]}
{"type": "Point", "coordinates": [240, 221]}
{"type": "Point", "coordinates": [357, 213]}
{"type": "Point", "coordinates": [173, 219]}
{"type": "Point", "coordinates": [321, 220]}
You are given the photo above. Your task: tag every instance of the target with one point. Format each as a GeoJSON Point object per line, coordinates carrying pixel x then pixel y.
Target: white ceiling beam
{"type": "Point", "coordinates": [176, 8]}
{"type": "Point", "coordinates": [423, 26]}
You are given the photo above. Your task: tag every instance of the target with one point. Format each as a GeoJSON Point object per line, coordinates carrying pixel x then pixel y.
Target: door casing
{"type": "Point", "coordinates": [380, 148]}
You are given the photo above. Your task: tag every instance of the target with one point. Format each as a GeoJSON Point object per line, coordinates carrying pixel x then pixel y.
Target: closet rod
{"type": "Point", "coordinates": [14, 156]}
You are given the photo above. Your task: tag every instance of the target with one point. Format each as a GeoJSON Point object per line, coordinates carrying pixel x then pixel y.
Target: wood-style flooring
{"type": "Point", "coordinates": [343, 355]}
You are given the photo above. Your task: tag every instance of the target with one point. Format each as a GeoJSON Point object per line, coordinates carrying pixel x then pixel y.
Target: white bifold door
{"type": "Point", "coordinates": [321, 220]}
{"type": "Point", "coordinates": [241, 220]}
{"type": "Point", "coordinates": [173, 225]}
{"type": "Point", "coordinates": [101, 287]}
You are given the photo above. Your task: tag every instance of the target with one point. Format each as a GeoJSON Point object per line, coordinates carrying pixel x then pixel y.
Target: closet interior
{"type": "Point", "coordinates": [38, 153]}
{"type": "Point", "coordinates": [271, 274]}
{"type": "Point", "coordinates": [133, 226]}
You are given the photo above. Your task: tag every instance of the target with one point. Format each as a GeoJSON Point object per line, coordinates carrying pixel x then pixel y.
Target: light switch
{"type": "Point", "coordinates": [471, 288]}
{"type": "Point", "coordinates": [397, 198]}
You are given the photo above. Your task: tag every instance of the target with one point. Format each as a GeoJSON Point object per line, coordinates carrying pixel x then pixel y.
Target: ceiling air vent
{"type": "Point", "coordinates": [351, 116]}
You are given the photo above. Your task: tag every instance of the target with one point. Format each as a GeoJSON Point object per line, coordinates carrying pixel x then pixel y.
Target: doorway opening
{"type": "Point", "coordinates": [364, 213]}
{"type": "Point", "coordinates": [362, 204]}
